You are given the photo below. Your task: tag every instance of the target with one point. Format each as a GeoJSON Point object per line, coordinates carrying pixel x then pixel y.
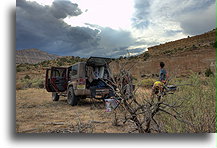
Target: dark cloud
{"type": "Point", "coordinates": [200, 21]}
{"type": "Point", "coordinates": [114, 39]}
{"type": "Point", "coordinates": [141, 16]}
{"type": "Point", "coordinates": [38, 27]}
{"type": "Point", "coordinates": [61, 9]}
{"type": "Point", "coordinates": [42, 27]}
{"type": "Point", "coordinates": [111, 43]}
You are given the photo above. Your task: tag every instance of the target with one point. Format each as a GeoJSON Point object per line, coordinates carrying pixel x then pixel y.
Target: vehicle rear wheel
{"type": "Point", "coordinates": [72, 99]}
{"type": "Point", "coordinates": [55, 96]}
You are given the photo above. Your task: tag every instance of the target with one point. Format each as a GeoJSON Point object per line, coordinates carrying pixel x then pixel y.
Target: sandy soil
{"type": "Point", "coordinates": [37, 113]}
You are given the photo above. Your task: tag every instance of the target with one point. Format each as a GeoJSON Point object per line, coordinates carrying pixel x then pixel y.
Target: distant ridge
{"type": "Point", "coordinates": [181, 57]}
{"type": "Point", "coordinates": [33, 56]}
{"type": "Point", "coordinates": [202, 40]}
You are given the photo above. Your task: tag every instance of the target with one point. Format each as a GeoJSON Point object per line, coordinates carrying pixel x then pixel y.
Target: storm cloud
{"type": "Point", "coordinates": [199, 21]}
{"type": "Point", "coordinates": [152, 23]}
{"type": "Point", "coordinates": [61, 9]}
{"type": "Point", "coordinates": [190, 16]}
{"type": "Point", "coordinates": [43, 27]}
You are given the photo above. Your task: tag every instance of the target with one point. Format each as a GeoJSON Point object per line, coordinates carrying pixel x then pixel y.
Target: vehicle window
{"type": "Point", "coordinates": [74, 70]}
{"type": "Point", "coordinates": [58, 73]}
{"type": "Point", "coordinates": [55, 73]}
{"type": "Point", "coordinates": [48, 73]}
{"type": "Point", "coordinates": [63, 73]}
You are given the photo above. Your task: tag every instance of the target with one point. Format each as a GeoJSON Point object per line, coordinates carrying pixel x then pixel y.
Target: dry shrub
{"type": "Point", "coordinates": [29, 83]}
{"type": "Point", "coordinates": [19, 86]}
{"type": "Point", "coordinates": [190, 110]}
{"type": "Point", "coordinates": [198, 106]}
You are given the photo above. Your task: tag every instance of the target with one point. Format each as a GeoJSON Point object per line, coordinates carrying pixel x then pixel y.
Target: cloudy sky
{"type": "Point", "coordinates": [110, 28]}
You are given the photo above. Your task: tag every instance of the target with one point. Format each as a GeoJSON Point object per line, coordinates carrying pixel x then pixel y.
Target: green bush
{"type": "Point", "coordinates": [197, 106]}
{"type": "Point", "coordinates": [63, 60]}
{"type": "Point", "coordinates": [18, 69]}
{"type": "Point", "coordinates": [30, 83]}
{"type": "Point", "coordinates": [214, 44]}
{"type": "Point", "coordinates": [27, 77]}
{"type": "Point", "coordinates": [24, 67]}
{"type": "Point", "coordinates": [168, 52]}
{"type": "Point", "coordinates": [208, 72]}
{"type": "Point", "coordinates": [37, 83]}
{"type": "Point", "coordinates": [194, 47]}
{"type": "Point", "coordinates": [60, 63]}
{"type": "Point", "coordinates": [146, 55]}
{"type": "Point", "coordinates": [21, 67]}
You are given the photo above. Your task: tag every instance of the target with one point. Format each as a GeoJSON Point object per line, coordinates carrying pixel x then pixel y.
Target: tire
{"type": "Point", "coordinates": [55, 96]}
{"type": "Point", "coordinates": [72, 99]}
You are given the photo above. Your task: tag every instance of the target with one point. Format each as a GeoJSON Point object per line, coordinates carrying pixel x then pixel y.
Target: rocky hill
{"type": "Point", "coordinates": [199, 41]}
{"type": "Point", "coordinates": [181, 57]}
{"type": "Point", "coordinates": [33, 56]}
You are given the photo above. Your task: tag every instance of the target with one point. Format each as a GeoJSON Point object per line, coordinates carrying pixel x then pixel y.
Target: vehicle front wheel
{"type": "Point", "coordinates": [72, 99]}
{"type": "Point", "coordinates": [55, 96]}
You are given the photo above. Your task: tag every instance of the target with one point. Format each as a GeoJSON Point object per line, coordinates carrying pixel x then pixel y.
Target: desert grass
{"type": "Point", "coordinates": [195, 105]}
{"type": "Point", "coordinates": [37, 113]}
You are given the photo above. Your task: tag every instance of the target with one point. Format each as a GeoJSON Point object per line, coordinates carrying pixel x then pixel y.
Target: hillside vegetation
{"type": "Point", "coordinates": [33, 75]}
{"type": "Point", "coordinates": [197, 107]}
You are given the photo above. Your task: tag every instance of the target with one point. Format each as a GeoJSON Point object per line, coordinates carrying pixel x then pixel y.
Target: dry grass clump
{"type": "Point", "coordinates": [191, 109]}
{"type": "Point", "coordinates": [198, 106]}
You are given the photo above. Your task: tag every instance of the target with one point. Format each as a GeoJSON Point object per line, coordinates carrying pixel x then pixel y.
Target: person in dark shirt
{"type": "Point", "coordinates": [159, 85]}
{"type": "Point", "coordinates": [163, 73]}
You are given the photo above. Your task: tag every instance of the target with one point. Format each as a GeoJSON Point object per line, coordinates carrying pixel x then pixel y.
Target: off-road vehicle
{"type": "Point", "coordinates": [81, 80]}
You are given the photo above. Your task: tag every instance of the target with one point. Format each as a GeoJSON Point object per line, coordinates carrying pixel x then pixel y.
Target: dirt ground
{"type": "Point", "coordinates": [37, 113]}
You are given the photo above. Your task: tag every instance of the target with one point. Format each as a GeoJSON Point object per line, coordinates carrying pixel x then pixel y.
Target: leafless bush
{"type": "Point", "coordinates": [141, 112]}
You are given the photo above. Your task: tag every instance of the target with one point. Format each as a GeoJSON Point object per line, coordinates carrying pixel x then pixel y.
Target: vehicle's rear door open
{"type": "Point", "coordinates": [56, 79]}
{"type": "Point", "coordinates": [99, 71]}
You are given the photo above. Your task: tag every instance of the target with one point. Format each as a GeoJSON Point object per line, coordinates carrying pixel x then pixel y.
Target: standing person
{"type": "Point", "coordinates": [163, 73]}
{"type": "Point", "coordinates": [159, 85]}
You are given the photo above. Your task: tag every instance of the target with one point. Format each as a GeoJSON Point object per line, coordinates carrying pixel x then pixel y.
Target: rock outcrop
{"type": "Point", "coordinates": [33, 56]}
{"type": "Point", "coordinates": [203, 40]}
